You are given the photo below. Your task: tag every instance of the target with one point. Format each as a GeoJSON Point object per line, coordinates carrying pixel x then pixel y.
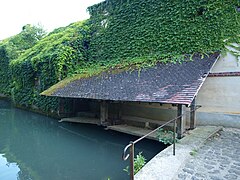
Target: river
{"type": "Point", "coordinates": [36, 147]}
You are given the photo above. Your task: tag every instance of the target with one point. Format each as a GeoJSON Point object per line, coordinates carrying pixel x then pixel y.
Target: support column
{"type": "Point", "coordinates": [103, 112]}
{"type": "Point", "coordinates": [193, 115]}
{"type": "Point", "coordinates": [119, 111]}
{"type": "Point", "coordinates": [180, 122]}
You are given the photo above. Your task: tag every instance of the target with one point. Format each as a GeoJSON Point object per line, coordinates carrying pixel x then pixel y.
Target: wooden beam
{"type": "Point", "coordinates": [193, 115]}
{"type": "Point", "coordinates": [180, 122]}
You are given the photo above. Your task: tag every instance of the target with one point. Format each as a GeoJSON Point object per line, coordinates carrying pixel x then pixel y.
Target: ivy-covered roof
{"type": "Point", "coordinates": [164, 83]}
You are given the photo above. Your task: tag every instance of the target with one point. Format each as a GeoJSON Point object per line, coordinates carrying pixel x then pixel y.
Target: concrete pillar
{"type": "Point", "coordinates": [119, 111]}
{"type": "Point", "coordinates": [180, 121]}
{"type": "Point", "coordinates": [192, 115]}
{"type": "Point", "coordinates": [103, 112]}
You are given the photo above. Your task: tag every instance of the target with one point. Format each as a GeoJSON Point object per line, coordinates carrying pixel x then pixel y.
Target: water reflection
{"type": "Point", "coordinates": [8, 170]}
{"type": "Point", "coordinates": [38, 147]}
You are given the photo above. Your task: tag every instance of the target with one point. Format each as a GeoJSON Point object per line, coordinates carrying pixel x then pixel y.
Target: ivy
{"type": "Point", "coordinates": [49, 61]}
{"type": "Point", "coordinates": [120, 35]}
{"type": "Point", "coordinates": [150, 28]}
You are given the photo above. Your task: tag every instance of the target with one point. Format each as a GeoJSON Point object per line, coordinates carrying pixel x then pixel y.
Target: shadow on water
{"type": "Point", "coordinates": [41, 148]}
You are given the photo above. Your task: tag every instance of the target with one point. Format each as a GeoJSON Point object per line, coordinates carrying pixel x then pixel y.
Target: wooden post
{"type": "Point", "coordinates": [193, 115]}
{"type": "Point", "coordinates": [103, 112]}
{"type": "Point", "coordinates": [180, 122]}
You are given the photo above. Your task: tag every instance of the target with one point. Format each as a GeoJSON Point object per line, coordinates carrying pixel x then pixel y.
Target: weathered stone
{"type": "Point", "coordinates": [189, 171]}
{"type": "Point", "coordinates": [215, 178]}
{"type": "Point", "coordinates": [214, 172]}
{"type": "Point", "coordinates": [189, 166]}
{"type": "Point", "coordinates": [218, 159]}
{"type": "Point", "coordinates": [237, 164]}
{"type": "Point", "coordinates": [195, 178]}
{"type": "Point", "coordinates": [207, 166]}
{"type": "Point", "coordinates": [234, 171]}
{"type": "Point", "coordinates": [199, 175]}
{"type": "Point", "coordinates": [231, 176]}
{"type": "Point", "coordinates": [182, 176]}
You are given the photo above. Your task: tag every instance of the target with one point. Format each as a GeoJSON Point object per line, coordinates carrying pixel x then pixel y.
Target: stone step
{"type": "Point", "coordinates": [146, 121]}
{"type": "Point", "coordinates": [84, 120]}
{"type": "Point", "coordinates": [133, 130]}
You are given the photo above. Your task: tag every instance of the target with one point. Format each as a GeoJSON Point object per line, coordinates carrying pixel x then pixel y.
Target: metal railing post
{"type": "Point", "coordinates": [132, 161]}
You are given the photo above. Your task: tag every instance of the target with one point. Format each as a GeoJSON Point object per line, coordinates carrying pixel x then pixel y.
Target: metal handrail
{"type": "Point", "coordinates": [131, 144]}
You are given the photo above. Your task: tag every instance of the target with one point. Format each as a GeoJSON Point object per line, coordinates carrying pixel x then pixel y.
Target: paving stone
{"type": "Point", "coordinates": [182, 176]}
{"type": "Point", "coordinates": [189, 171]}
{"type": "Point", "coordinates": [237, 172]}
{"type": "Point", "coordinates": [214, 172]}
{"type": "Point", "coordinates": [189, 166]}
{"type": "Point", "coordinates": [215, 178]}
{"type": "Point", "coordinates": [237, 164]}
{"type": "Point", "coordinates": [231, 176]}
{"type": "Point", "coordinates": [208, 166]}
{"type": "Point", "coordinates": [218, 159]}
{"type": "Point", "coordinates": [198, 175]}
{"type": "Point", "coordinates": [195, 178]}
{"type": "Point", "coordinates": [235, 167]}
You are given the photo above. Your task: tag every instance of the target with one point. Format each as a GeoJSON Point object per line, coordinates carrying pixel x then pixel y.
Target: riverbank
{"type": "Point", "coordinates": [31, 109]}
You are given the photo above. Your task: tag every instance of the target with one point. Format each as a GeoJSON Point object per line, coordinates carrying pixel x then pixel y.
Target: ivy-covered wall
{"type": "Point", "coordinates": [37, 68]}
{"type": "Point", "coordinates": [11, 48]}
{"type": "Point", "coordinates": [126, 29]}
{"type": "Point", "coordinates": [119, 34]}
{"type": "Point", "coordinates": [49, 61]}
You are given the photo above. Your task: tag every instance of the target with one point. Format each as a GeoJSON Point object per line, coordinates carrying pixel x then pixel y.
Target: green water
{"type": "Point", "coordinates": [35, 147]}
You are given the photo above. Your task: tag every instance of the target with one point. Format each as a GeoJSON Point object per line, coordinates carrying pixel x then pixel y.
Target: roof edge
{"type": "Point", "coordinates": [205, 77]}
{"type": "Point", "coordinates": [61, 84]}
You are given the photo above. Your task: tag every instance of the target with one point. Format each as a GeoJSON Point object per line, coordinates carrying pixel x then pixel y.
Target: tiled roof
{"type": "Point", "coordinates": [164, 83]}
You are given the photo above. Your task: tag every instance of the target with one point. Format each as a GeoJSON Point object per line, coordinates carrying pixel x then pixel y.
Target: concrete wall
{"type": "Point", "coordinates": [151, 111]}
{"type": "Point", "coordinates": [220, 96]}
{"type": "Point", "coordinates": [155, 111]}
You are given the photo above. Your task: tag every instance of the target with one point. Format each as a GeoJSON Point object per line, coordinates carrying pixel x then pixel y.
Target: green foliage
{"type": "Point", "coordinates": [12, 48]}
{"type": "Point", "coordinates": [152, 28]}
{"type": "Point", "coordinates": [139, 162]}
{"type": "Point", "coordinates": [193, 152]}
{"type": "Point", "coordinates": [49, 61]}
{"type": "Point", "coordinates": [4, 71]}
{"type": "Point", "coordinates": [120, 35]}
{"type": "Point", "coordinates": [165, 136]}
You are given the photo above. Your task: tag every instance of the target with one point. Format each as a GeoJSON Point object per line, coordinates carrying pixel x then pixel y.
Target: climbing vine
{"type": "Point", "coordinates": [129, 29]}
{"type": "Point", "coordinates": [49, 61]}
